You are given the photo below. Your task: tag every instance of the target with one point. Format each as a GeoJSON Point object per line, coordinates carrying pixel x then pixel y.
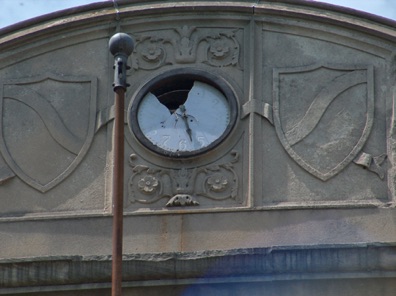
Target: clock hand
{"type": "Point", "coordinates": [184, 116]}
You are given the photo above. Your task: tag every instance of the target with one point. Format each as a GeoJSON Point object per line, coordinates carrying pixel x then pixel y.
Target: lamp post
{"type": "Point", "coordinates": [121, 46]}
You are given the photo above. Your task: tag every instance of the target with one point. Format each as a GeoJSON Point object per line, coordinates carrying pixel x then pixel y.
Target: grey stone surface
{"type": "Point", "coordinates": [198, 270]}
{"type": "Point", "coordinates": [309, 163]}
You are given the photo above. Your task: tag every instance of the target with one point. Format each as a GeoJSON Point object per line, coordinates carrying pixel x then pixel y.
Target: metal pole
{"type": "Point", "coordinates": [118, 192]}
{"type": "Point", "coordinates": [121, 46]}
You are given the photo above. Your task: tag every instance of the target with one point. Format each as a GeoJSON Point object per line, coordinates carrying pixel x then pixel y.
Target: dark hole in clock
{"type": "Point", "coordinates": [172, 94]}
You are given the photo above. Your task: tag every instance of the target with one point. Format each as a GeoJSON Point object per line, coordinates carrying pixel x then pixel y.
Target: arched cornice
{"type": "Point", "coordinates": [104, 13]}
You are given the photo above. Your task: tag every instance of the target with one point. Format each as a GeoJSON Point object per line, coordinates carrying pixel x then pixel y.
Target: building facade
{"type": "Point", "coordinates": [259, 144]}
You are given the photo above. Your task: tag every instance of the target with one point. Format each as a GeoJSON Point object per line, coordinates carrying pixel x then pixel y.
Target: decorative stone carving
{"type": "Point", "coordinates": [323, 115]}
{"type": "Point", "coordinates": [186, 45]}
{"type": "Point", "coordinates": [147, 184]}
{"type": "Point", "coordinates": [183, 186]}
{"type": "Point", "coordinates": [372, 163]}
{"type": "Point", "coordinates": [47, 125]}
{"type": "Point", "coordinates": [180, 200]}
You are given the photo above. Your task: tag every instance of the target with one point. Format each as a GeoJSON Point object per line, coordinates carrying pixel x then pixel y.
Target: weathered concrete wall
{"type": "Point", "coordinates": [324, 270]}
{"type": "Point", "coordinates": [309, 162]}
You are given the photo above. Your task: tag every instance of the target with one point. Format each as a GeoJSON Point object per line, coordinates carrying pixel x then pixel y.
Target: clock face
{"type": "Point", "coordinates": [183, 115]}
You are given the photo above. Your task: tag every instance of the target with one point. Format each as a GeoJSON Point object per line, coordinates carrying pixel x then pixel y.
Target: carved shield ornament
{"type": "Point", "coordinates": [47, 126]}
{"type": "Point", "coordinates": [323, 115]}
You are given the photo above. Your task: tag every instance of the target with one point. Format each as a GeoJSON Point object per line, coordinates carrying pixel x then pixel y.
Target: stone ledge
{"type": "Point", "coordinates": [258, 264]}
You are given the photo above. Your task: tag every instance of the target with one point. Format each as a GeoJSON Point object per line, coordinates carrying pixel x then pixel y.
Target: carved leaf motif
{"type": "Point", "coordinates": [213, 168]}
{"type": "Point", "coordinates": [140, 168]}
{"type": "Point", "coordinates": [228, 166]}
{"type": "Point", "coordinates": [234, 192]}
{"type": "Point", "coordinates": [180, 200]}
{"type": "Point", "coordinates": [235, 154]}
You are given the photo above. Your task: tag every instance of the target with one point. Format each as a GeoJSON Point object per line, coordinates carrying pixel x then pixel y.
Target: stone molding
{"type": "Point", "coordinates": [73, 17]}
{"type": "Point", "coordinates": [206, 267]}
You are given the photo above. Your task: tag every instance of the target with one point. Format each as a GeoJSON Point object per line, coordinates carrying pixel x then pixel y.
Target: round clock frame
{"type": "Point", "coordinates": [171, 89]}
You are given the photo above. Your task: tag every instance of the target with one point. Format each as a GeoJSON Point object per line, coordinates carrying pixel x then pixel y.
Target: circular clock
{"type": "Point", "coordinates": [183, 113]}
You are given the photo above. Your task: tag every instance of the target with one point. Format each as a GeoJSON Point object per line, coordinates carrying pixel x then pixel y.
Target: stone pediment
{"type": "Point", "coordinates": [306, 155]}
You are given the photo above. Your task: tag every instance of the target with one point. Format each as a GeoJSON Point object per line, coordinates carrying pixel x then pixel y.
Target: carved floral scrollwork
{"type": "Point", "coordinates": [223, 50]}
{"type": "Point", "coordinates": [217, 182]}
{"type": "Point", "coordinates": [220, 181]}
{"type": "Point", "coordinates": [148, 184]}
{"type": "Point", "coordinates": [145, 183]}
{"type": "Point", "coordinates": [182, 187]}
{"type": "Point", "coordinates": [151, 54]}
{"type": "Point", "coordinates": [188, 44]}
